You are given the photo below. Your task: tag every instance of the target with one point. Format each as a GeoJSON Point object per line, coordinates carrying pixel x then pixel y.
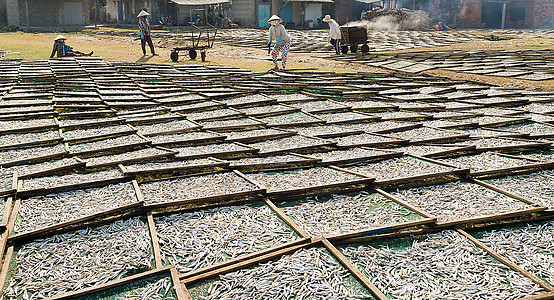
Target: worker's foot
{"type": "Point", "coordinates": [90, 54]}
{"type": "Point", "coordinates": [155, 54]}
{"type": "Point", "coordinates": [143, 53]}
{"type": "Point", "coordinates": [275, 68]}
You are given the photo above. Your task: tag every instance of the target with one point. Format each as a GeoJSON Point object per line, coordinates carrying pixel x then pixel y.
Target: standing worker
{"type": "Point", "coordinates": [334, 33]}
{"type": "Point", "coordinates": [278, 33]}
{"type": "Point", "coordinates": [144, 28]}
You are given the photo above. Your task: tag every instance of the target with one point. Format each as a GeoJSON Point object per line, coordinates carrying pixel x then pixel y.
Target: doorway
{"type": "Point", "coordinates": [492, 14]}
{"type": "Point", "coordinates": [264, 12]}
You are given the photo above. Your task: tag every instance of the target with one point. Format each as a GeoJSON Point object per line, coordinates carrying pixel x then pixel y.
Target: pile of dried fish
{"type": "Point", "coordinates": [136, 155]}
{"type": "Point", "coordinates": [536, 186]}
{"type": "Point", "coordinates": [210, 150]}
{"type": "Point", "coordinates": [183, 137]}
{"type": "Point", "coordinates": [81, 134]}
{"type": "Point", "coordinates": [194, 187]}
{"type": "Point", "coordinates": [44, 211]}
{"type": "Point", "coordinates": [290, 97]}
{"type": "Point", "coordinates": [77, 260]}
{"type": "Point", "coordinates": [346, 213]}
{"type": "Point", "coordinates": [69, 179]}
{"type": "Point", "coordinates": [349, 154]}
{"type": "Point", "coordinates": [290, 119]}
{"type": "Point", "coordinates": [529, 247]}
{"type": "Point", "coordinates": [10, 125]}
{"type": "Point", "coordinates": [301, 178]}
{"type": "Point", "coordinates": [265, 160]}
{"type": "Point", "coordinates": [460, 200]}
{"type": "Point", "coordinates": [486, 161]}
{"type": "Point", "coordinates": [441, 265]}
{"type": "Point", "coordinates": [258, 133]}
{"type": "Point", "coordinates": [287, 144]}
{"type": "Point", "coordinates": [28, 153]}
{"type": "Point", "coordinates": [402, 167]}
{"type": "Point", "coordinates": [153, 166]}
{"type": "Point", "coordinates": [6, 182]}
{"type": "Point", "coordinates": [194, 240]}
{"type": "Point", "coordinates": [305, 274]}
{"type": "Point", "coordinates": [106, 143]}
{"type": "Point", "coordinates": [24, 138]}
{"type": "Point", "coordinates": [151, 288]}
{"type": "Point", "coordinates": [222, 124]}
{"type": "Point", "coordinates": [24, 170]}
{"type": "Point", "coordinates": [365, 139]}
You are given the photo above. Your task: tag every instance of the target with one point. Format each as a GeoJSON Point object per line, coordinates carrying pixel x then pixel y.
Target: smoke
{"type": "Point", "coordinates": [394, 20]}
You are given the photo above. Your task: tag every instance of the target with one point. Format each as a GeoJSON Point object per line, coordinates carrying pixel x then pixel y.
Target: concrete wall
{"type": "Point", "coordinates": [44, 13]}
{"type": "Point", "coordinates": [244, 12]}
{"type": "Point", "coordinates": [3, 13]}
{"type": "Point", "coordinates": [544, 14]}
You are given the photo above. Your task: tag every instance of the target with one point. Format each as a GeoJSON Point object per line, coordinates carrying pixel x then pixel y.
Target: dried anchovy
{"type": "Point", "coordinates": [5, 125]}
{"type": "Point", "coordinates": [439, 266]}
{"type": "Point", "coordinates": [346, 213]}
{"type": "Point", "coordinates": [72, 122]}
{"type": "Point", "coordinates": [28, 153]}
{"type": "Point", "coordinates": [134, 155]}
{"type": "Point", "coordinates": [107, 143]}
{"type": "Point", "coordinates": [21, 138]}
{"type": "Point", "coordinates": [233, 135]}
{"type": "Point", "coordinates": [265, 109]}
{"type": "Point", "coordinates": [494, 142]}
{"type": "Point", "coordinates": [538, 108]}
{"type": "Point", "coordinates": [84, 258]}
{"type": "Point", "coordinates": [318, 105]}
{"type": "Point", "coordinates": [165, 127]}
{"type": "Point", "coordinates": [194, 187]}
{"type": "Point", "coordinates": [171, 164]}
{"type": "Point", "coordinates": [208, 150]}
{"type": "Point", "coordinates": [291, 118]}
{"type": "Point", "coordinates": [489, 120]}
{"type": "Point", "coordinates": [305, 274]}
{"type": "Point", "coordinates": [423, 150]}
{"type": "Point", "coordinates": [287, 143]}
{"type": "Point", "coordinates": [150, 116]}
{"type": "Point", "coordinates": [6, 182]}
{"type": "Point", "coordinates": [316, 131]}
{"type": "Point", "coordinates": [353, 153]}
{"type": "Point", "coordinates": [52, 209]}
{"type": "Point", "coordinates": [246, 99]}
{"type": "Point", "coordinates": [529, 247]}
{"type": "Point", "coordinates": [91, 132]}
{"type": "Point", "coordinates": [215, 113]}
{"type": "Point", "coordinates": [197, 106]}
{"type": "Point", "coordinates": [290, 97]}
{"type": "Point", "coordinates": [531, 128]}
{"type": "Point", "coordinates": [301, 178]}
{"type": "Point", "coordinates": [228, 123]}
{"type": "Point", "coordinates": [486, 161]}
{"type": "Point", "coordinates": [179, 137]}
{"type": "Point", "coordinates": [23, 170]}
{"type": "Point", "coordinates": [25, 109]}
{"type": "Point", "coordinates": [362, 139]}
{"type": "Point", "coordinates": [146, 111]}
{"type": "Point", "coordinates": [194, 240]}
{"type": "Point", "coordinates": [69, 179]}
{"type": "Point", "coordinates": [535, 186]}
{"type": "Point", "coordinates": [542, 156]}
{"type": "Point", "coordinates": [491, 111]}
{"type": "Point", "coordinates": [343, 117]}
{"type": "Point", "coordinates": [376, 126]}
{"type": "Point", "coordinates": [398, 168]}
{"type": "Point", "coordinates": [35, 102]}
{"type": "Point", "coordinates": [460, 200]}
{"type": "Point", "coordinates": [423, 133]}
{"type": "Point", "coordinates": [265, 160]}
{"type": "Point", "coordinates": [156, 290]}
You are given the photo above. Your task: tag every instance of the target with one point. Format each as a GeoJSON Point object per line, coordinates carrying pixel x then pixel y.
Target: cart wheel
{"type": "Point", "coordinates": [354, 48]}
{"type": "Point", "coordinates": [365, 48]}
{"type": "Point", "coordinates": [174, 56]}
{"type": "Point", "coordinates": [344, 49]}
{"type": "Point", "coordinates": [192, 54]}
{"type": "Point", "coordinates": [203, 55]}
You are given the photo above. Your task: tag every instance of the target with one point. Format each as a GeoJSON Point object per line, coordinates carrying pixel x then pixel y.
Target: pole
{"type": "Point", "coordinates": [96, 15]}
{"type": "Point", "coordinates": [27, 15]}
{"type": "Point", "coordinates": [503, 15]}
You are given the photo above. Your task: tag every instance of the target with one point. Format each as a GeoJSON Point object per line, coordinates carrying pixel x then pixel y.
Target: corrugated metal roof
{"type": "Point", "coordinates": [328, 1]}
{"type": "Point", "coordinates": [198, 2]}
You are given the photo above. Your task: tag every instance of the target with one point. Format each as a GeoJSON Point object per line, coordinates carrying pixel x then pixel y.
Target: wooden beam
{"type": "Point", "coordinates": [180, 290]}
{"type": "Point", "coordinates": [155, 242]}
{"type": "Point", "coordinates": [286, 219]}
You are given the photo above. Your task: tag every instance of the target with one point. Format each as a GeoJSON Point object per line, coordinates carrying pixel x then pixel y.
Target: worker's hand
{"type": "Point", "coordinates": [277, 44]}
{"type": "Point", "coordinates": [269, 43]}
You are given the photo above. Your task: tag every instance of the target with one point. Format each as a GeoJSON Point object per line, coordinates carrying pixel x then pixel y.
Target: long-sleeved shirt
{"type": "Point", "coordinates": [59, 48]}
{"type": "Point", "coordinates": [278, 32]}
{"type": "Point", "coordinates": [144, 26]}
{"type": "Point", "coordinates": [334, 30]}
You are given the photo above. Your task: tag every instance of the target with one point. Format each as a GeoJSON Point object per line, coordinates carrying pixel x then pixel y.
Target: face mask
{"type": "Point", "coordinates": [274, 23]}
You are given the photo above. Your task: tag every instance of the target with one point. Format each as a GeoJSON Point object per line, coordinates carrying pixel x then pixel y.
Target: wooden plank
{"type": "Point", "coordinates": [155, 242]}
{"type": "Point", "coordinates": [180, 290]}
{"type": "Point", "coordinates": [6, 267]}
{"type": "Point", "coordinates": [7, 212]}
{"type": "Point", "coordinates": [286, 219]}
{"type": "Point", "coordinates": [406, 204]}
{"type": "Point", "coordinates": [507, 262]}
{"type": "Point", "coordinates": [528, 168]}
{"type": "Point", "coordinates": [505, 192]}
{"type": "Point", "coordinates": [246, 263]}
{"type": "Point", "coordinates": [493, 217]}
{"type": "Point", "coordinates": [543, 296]}
{"type": "Point", "coordinates": [359, 275]}
{"type": "Point", "coordinates": [381, 229]}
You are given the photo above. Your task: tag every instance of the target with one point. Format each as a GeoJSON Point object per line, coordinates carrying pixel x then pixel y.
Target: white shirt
{"type": "Point", "coordinates": [334, 30]}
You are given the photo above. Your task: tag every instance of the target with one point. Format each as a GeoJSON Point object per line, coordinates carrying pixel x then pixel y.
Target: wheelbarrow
{"type": "Point", "coordinates": [197, 35]}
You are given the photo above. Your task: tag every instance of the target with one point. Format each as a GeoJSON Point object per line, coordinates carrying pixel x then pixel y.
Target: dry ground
{"type": "Point", "coordinates": [36, 46]}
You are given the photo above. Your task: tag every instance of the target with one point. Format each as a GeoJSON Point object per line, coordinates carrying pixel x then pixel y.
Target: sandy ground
{"type": "Point", "coordinates": [127, 49]}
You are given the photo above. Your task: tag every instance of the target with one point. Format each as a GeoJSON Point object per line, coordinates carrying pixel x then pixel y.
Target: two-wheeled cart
{"type": "Point", "coordinates": [353, 37]}
{"type": "Point", "coordinates": [198, 34]}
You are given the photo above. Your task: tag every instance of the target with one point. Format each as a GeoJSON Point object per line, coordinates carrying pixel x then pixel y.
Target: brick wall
{"type": "Point", "coordinates": [469, 14]}
{"type": "Point", "coordinates": [544, 14]}
{"type": "Point", "coordinates": [516, 8]}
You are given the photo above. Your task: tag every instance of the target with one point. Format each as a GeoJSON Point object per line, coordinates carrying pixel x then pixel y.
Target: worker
{"type": "Point", "coordinates": [63, 50]}
{"type": "Point", "coordinates": [282, 40]}
{"type": "Point", "coordinates": [334, 33]}
{"type": "Point", "coordinates": [144, 28]}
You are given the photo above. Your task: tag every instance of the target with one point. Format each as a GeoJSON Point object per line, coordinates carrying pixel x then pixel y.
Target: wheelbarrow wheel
{"type": "Point", "coordinates": [354, 48]}
{"type": "Point", "coordinates": [344, 49]}
{"type": "Point", "coordinates": [365, 48]}
{"type": "Point", "coordinates": [174, 56]}
{"type": "Point", "coordinates": [203, 55]}
{"type": "Point", "coordinates": [192, 54]}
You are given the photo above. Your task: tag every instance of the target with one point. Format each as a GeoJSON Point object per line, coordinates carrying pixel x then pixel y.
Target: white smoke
{"type": "Point", "coordinates": [414, 20]}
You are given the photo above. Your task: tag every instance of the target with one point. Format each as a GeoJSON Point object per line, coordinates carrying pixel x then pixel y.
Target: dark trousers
{"type": "Point", "coordinates": [143, 42]}
{"type": "Point", "coordinates": [336, 45]}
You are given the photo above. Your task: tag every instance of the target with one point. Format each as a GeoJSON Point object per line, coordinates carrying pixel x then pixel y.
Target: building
{"type": "Point", "coordinates": [46, 14]}
{"type": "Point", "coordinates": [295, 13]}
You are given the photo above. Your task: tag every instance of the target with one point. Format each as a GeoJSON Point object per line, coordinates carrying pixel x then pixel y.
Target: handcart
{"type": "Point", "coordinates": [353, 36]}
{"type": "Point", "coordinates": [198, 34]}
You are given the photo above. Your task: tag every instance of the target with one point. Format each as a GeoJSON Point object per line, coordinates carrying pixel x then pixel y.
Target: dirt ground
{"type": "Point", "coordinates": [36, 46]}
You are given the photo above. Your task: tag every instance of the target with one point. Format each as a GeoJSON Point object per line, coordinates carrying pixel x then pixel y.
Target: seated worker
{"type": "Point", "coordinates": [441, 27]}
{"type": "Point", "coordinates": [64, 50]}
